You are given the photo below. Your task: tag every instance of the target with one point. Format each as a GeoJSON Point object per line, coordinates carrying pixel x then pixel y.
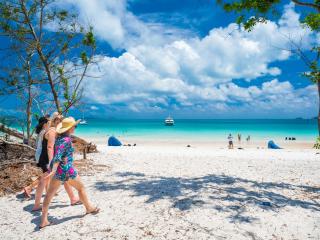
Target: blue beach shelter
{"type": "Point", "coordinates": [114, 142]}
{"type": "Point", "coordinates": [272, 145]}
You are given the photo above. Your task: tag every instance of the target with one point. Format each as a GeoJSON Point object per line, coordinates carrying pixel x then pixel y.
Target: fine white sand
{"type": "Point", "coordinates": [203, 142]}
{"type": "Point", "coordinates": [175, 192]}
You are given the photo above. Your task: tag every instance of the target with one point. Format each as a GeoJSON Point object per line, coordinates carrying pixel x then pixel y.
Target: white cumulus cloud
{"type": "Point", "coordinates": [160, 71]}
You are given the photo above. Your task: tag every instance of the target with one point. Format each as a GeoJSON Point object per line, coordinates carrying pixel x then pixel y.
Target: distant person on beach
{"type": "Point", "coordinates": [47, 152]}
{"type": "Point", "coordinates": [63, 171]}
{"type": "Point", "coordinates": [40, 131]}
{"type": "Point", "coordinates": [239, 137]}
{"type": "Point", "coordinates": [230, 139]}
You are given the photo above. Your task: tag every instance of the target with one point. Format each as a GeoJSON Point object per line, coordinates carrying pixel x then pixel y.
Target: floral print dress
{"type": "Point", "coordinates": [63, 154]}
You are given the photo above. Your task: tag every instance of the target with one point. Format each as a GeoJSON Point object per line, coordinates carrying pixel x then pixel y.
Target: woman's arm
{"type": "Point", "coordinates": [39, 145]}
{"type": "Point", "coordinates": [53, 170]}
{"type": "Point", "coordinates": [50, 147]}
{"type": "Point", "coordinates": [57, 158]}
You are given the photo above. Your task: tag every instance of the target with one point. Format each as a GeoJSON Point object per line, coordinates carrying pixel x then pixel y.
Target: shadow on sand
{"type": "Point", "coordinates": [29, 207]}
{"type": "Point", "coordinates": [219, 192]}
{"type": "Point", "coordinates": [54, 221]}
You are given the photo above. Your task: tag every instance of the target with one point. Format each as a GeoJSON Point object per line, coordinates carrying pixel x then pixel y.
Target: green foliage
{"type": "Point", "coordinates": [64, 48]}
{"type": "Point", "coordinates": [89, 39]}
{"type": "Point", "coordinates": [65, 83]}
{"type": "Point", "coordinates": [23, 24]}
{"type": "Point", "coordinates": [313, 21]}
{"type": "Point", "coordinates": [261, 6]}
{"type": "Point", "coordinates": [251, 22]}
{"type": "Point", "coordinates": [84, 58]}
{"type": "Point", "coordinates": [258, 11]}
{"type": "Point", "coordinates": [251, 12]}
{"type": "Point", "coordinates": [314, 74]}
{"type": "Point", "coordinates": [240, 19]}
{"type": "Point", "coordinates": [317, 144]}
{"type": "Point", "coordinates": [60, 70]}
{"type": "Point", "coordinates": [36, 116]}
{"type": "Point", "coordinates": [62, 15]}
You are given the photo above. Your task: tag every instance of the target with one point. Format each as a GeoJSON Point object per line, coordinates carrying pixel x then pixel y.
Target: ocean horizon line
{"type": "Point", "coordinates": [116, 118]}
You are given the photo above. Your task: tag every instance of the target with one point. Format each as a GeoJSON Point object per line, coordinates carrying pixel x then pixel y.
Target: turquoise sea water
{"type": "Point", "coordinates": [214, 129]}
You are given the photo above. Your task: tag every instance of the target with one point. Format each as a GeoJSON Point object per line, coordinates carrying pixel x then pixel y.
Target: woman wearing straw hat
{"type": "Point", "coordinates": [45, 158]}
{"type": "Point", "coordinates": [62, 170]}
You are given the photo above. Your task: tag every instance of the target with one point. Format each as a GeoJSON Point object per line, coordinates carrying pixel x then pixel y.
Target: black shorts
{"type": "Point", "coordinates": [230, 143]}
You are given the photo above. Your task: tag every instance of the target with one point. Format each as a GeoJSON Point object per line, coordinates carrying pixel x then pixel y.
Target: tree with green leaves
{"type": "Point", "coordinates": [18, 79]}
{"type": "Point", "coordinates": [252, 12]}
{"type": "Point", "coordinates": [63, 49]}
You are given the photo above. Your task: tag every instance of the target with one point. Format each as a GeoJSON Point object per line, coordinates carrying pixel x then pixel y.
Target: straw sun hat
{"type": "Point", "coordinates": [66, 124]}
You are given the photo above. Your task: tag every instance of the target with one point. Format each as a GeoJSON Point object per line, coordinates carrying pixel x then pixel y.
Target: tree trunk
{"type": "Point", "coordinates": [29, 99]}
{"type": "Point", "coordinates": [318, 84]}
{"type": "Point", "coordinates": [79, 143]}
{"type": "Point", "coordinates": [15, 133]}
{"type": "Point", "coordinates": [53, 90]}
{"type": "Point", "coordinates": [28, 112]}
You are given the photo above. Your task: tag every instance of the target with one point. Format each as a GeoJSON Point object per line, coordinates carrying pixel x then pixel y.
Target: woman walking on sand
{"type": "Point", "coordinates": [40, 131]}
{"type": "Point", "coordinates": [46, 156]}
{"type": "Point", "coordinates": [63, 171]}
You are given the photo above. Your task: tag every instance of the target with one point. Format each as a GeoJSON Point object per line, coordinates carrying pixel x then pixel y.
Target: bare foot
{"type": "Point", "coordinates": [75, 201]}
{"type": "Point", "coordinates": [36, 209]}
{"type": "Point", "coordinates": [44, 224]}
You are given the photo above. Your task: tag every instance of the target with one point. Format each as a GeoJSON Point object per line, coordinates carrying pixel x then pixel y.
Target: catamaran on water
{"type": "Point", "coordinates": [169, 121]}
{"type": "Point", "coordinates": [83, 121]}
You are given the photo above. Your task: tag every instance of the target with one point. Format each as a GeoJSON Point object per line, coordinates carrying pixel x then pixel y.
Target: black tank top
{"type": "Point", "coordinates": [44, 158]}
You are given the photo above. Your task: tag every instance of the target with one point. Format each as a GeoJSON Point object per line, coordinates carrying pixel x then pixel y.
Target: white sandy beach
{"type": "Point", "coordinates": [207, 142]}
{"type": "Point", "coordinates": [174, 192]}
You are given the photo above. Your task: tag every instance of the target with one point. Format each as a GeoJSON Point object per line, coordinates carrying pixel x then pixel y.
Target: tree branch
{"type": "Point", "coordinates": [305, 4]}
{"type": "Point", "coordinates": [41, 55]}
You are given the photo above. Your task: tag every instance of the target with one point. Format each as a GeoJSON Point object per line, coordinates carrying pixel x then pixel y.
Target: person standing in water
{"type": "Point", "coordinates": [239, 137]}
{"type": "Point", "coordinates": [230, 139]}
{"type": "Point", "coordinates": [46, 156]}
{"type": "Point", "coordinates": [63, 171]}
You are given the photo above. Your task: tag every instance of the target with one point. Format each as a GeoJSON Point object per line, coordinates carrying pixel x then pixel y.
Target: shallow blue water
{"type": "Point", "coordinates": [216, 129]}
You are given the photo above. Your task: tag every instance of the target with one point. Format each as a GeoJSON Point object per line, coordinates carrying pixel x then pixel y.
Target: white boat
{"type": "Point", "coordinates": [169, 121]}
{"type": "Point", "coordinates": [83, 121]}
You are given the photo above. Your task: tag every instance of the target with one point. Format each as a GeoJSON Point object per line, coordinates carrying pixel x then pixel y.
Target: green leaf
{"type": "Point", "coordinates": [317, 144]}
{"type": "Point", "coordinates": [63, 15]}
{"type": "Point", "coordinates": [84, 58]}
{"type": "Point", "coordinates": [89, 39]}
{"type": "Point", "coordinates": [36, 116]}
{"type": "Point", "coordinates": [60, 70]}
{"type": "Point", "coordinates": [312, 20]}
{"type": "Point", "coordinates": [240, 19]}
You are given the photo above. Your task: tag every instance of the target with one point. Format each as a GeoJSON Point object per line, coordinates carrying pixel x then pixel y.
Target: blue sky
{"type": "Point", "coordinates": [189, 60]}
